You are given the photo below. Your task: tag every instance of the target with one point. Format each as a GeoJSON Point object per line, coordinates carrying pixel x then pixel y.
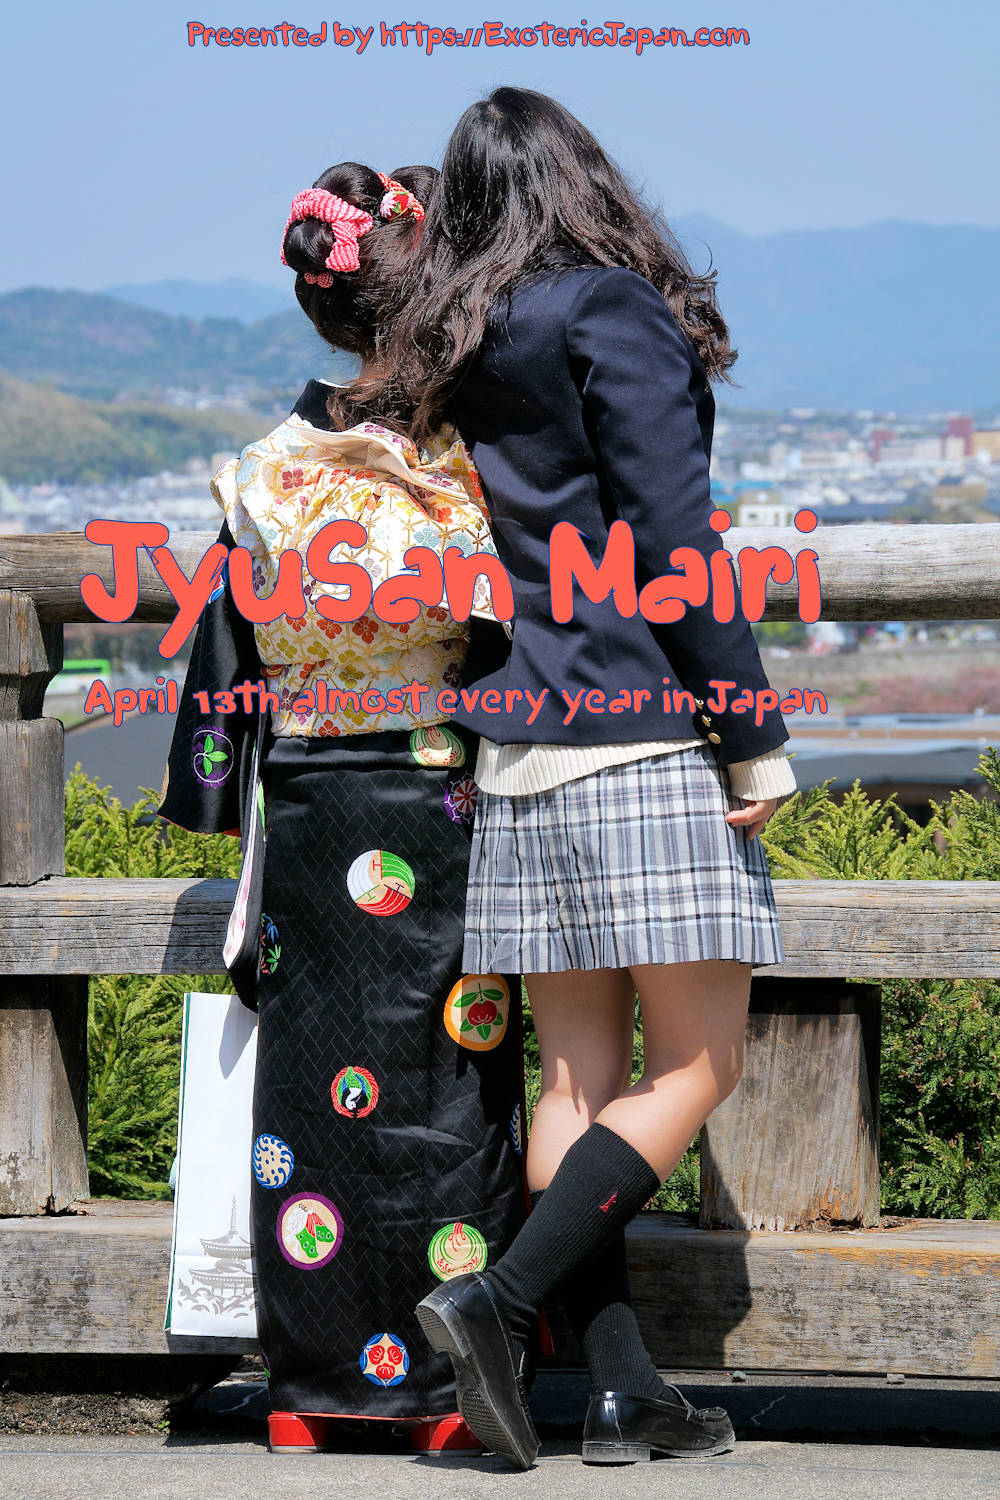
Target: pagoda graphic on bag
{"type": "Point", "coordinates": [226, 1285]}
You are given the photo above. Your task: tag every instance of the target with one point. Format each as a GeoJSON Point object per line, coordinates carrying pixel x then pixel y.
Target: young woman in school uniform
{"type": "Point", "coordinates": [559, 325]}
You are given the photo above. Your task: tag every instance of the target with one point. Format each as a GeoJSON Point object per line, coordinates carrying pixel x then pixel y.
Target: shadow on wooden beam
{"type": "Point", "coordinates": [923, 1299]}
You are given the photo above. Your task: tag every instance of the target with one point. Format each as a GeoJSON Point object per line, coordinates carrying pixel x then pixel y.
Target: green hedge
{"type": "Point", "coordinates": [941, 1039]}
{"type": "Point", "coordinates": [135, 1022]}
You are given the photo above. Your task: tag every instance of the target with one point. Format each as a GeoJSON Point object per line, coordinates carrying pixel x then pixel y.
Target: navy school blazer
{"type": "Point", "coordinates": [586, 403]}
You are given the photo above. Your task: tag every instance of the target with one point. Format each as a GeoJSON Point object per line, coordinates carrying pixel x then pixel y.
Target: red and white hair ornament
{"type": "Point", "coordinates": [398, 201]}
{"type": "Point", "coordinates": [347, 223]}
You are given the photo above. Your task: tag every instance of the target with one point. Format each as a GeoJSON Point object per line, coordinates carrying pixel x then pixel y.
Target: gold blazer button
{"type": "Point", "coordinates": [705, 719]}
{"type": "Point", "coordinates": [715, 739]}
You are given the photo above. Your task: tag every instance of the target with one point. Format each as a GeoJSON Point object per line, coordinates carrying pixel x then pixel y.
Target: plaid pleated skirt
{"type": "Point", "coordinates": [634, 864]}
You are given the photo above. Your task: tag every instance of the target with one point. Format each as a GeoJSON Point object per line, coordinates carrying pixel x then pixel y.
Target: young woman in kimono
{"type": "Point", "coordinates": [386, 1115]}
{"type": "Point", "coordinates": [558, 324]}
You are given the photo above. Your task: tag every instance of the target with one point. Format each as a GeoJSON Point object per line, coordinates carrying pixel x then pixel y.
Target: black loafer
{"type": "Point", "coordinates": [462, 1318]}
{"type": "Point", "coordinates": [624, 1429]}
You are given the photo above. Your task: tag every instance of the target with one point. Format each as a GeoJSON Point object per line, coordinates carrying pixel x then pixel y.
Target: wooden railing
{"type": "Point", "coordinates": [795, 1148]}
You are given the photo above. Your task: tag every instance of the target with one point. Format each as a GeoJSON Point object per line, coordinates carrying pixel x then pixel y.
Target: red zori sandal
{"type": "Point", "coordinates": [288, 1432]}
{"type": "Point", "coordinates": [304, 1432]}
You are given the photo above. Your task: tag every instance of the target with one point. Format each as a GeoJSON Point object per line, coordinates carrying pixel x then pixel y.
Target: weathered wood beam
{"type": "Point", "coordinates": [32, 795]}
{"type": "Point", "coordinates": [889, 929]}
{"type": "Point", "coordinates": [863, 929]}
{"type": "Point", "coordinates": [93, 1283]}
{"type": "Point", "coordinates": [917, 1300]}
{"type": "Point", "coordinates": [43, 1014]}
{"type": "Point", "coordinates": [795, 1146]}
{"type": "Point", "coordinates": [49, 565]}
{"type": "Point", "coordinates": [94, 926]}
{"type": "Point", "coordinates": [876, 572]}
{"type": "Point", "coordinates": [43, 1093]}
{"type": "Point", "coordinates": [920, 1300]}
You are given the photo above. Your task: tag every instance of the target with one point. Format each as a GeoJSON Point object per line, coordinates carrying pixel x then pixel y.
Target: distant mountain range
{"type": "Point", "coordinates": [100, 347]}
{"type": "Point", "coordinates": [244, 300]}
{"type": "Point", "coordinates": [892, 316]}
{"type": "Point", "coordinates": [48, 435]}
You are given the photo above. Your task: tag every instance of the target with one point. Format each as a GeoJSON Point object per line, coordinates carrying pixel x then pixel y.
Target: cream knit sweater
{"type": "Point", "coordinates": [519, 770]}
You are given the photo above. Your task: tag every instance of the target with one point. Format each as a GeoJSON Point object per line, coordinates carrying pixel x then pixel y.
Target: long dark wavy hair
{"type": "Point", "coordinates": [350, 314]}
{"type": "Point", "coordinates": [523, 186]}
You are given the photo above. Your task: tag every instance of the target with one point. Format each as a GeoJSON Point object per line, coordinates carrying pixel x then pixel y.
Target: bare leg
{"type": "Point", "coordinates": [693, 1023]}
{"type": "Point", "coordinates": [584, 1023]}
{"type": "Point", "coordinates": [694, 1018]}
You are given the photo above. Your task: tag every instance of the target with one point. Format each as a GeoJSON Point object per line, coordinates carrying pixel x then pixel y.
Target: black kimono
{"type": "Point", "coordinates": [389, 1088]}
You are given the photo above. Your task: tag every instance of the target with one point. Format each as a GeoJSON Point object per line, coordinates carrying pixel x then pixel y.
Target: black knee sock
{"type": "Point", "coordinates": [600, 1184]}
{"type": "Point", "coordinates": [597, 1302]}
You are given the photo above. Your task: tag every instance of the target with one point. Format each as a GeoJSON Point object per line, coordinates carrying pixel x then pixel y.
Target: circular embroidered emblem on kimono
{"type": "Point", "coordinates": [475, 1013]}
{"type": "Point", "coordinates": [456, 1249]}
{"type": "Point", "coordinates": [460, 799]}
{"type": "Point", "coordinates": [212, 756]}
{"type": "Point", "coordinates": [437, 747]}
{"type": "Point", "coordinates": [381, 883]}
{"type": "Point", "coordinates": [270, 948]}
{"type": "Point", "coordinates": [515, 1129]}
{"type": "Point", "coordinates": [384, 1360]}
{"type": "Point", "coordinates": [273, 1162]}
{"type": "Point", "coordinates": [354, 1092]}
{"type": "Point", "coordinates": [310, 1230]}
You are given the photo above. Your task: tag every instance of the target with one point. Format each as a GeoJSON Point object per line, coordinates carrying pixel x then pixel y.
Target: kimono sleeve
{"type": "Point", "coordinates": [210, 752]}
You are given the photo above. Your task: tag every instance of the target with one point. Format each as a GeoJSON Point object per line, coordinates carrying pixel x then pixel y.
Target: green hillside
{"type": "Point", "coordinates": [101, 347]}
{"type": "Point", "coordinates": [47, 435]}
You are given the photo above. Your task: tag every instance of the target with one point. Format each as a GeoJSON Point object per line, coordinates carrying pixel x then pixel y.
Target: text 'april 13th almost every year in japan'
{"type": "Point", "coordinates": [413, 697]}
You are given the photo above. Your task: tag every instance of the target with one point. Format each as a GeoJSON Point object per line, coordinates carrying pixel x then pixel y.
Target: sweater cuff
{"type": "Point", "coordinates": [762, 778]}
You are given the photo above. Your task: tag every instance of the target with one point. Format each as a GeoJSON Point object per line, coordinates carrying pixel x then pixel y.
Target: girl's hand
{"type": "Point", "coordinates": [752, 816]}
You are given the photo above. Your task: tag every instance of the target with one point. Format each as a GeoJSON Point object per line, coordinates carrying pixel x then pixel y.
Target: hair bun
{"type": "Point", "coordinates": [347, 223]}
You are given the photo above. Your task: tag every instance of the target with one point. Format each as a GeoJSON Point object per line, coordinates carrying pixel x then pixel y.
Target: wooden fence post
{"type": "Point", "coordinates": [43, 1020]}
{"type": "Point", "coordinates": [796, 1145]}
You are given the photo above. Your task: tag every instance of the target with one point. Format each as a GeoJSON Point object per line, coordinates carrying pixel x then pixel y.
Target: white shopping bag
{"type": "Point", "coordinates": [212, 1291]}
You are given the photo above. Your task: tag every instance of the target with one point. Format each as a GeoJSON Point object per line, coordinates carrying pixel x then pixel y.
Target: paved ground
{"type": "Point", "coordinates": [817, 1438]}
{"type": "Point", "coordinates": [124, 1468]}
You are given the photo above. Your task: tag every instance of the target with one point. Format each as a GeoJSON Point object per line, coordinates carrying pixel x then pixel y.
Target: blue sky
{"type": "Point", "coordinates": [128, 156]}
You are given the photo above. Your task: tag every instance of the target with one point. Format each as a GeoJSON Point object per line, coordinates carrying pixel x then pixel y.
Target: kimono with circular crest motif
{"type": "Point", "coordinates": [389, 1088]}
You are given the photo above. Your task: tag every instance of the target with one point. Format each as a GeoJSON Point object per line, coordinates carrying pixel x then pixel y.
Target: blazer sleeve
{"type": "Point", "coordinates": [639, 381]}
{"type": "Point", "coordinates": [208, 763]}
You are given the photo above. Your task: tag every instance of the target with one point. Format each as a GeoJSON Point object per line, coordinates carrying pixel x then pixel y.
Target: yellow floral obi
{"type": "Point", "coordinates": [284, 489]}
